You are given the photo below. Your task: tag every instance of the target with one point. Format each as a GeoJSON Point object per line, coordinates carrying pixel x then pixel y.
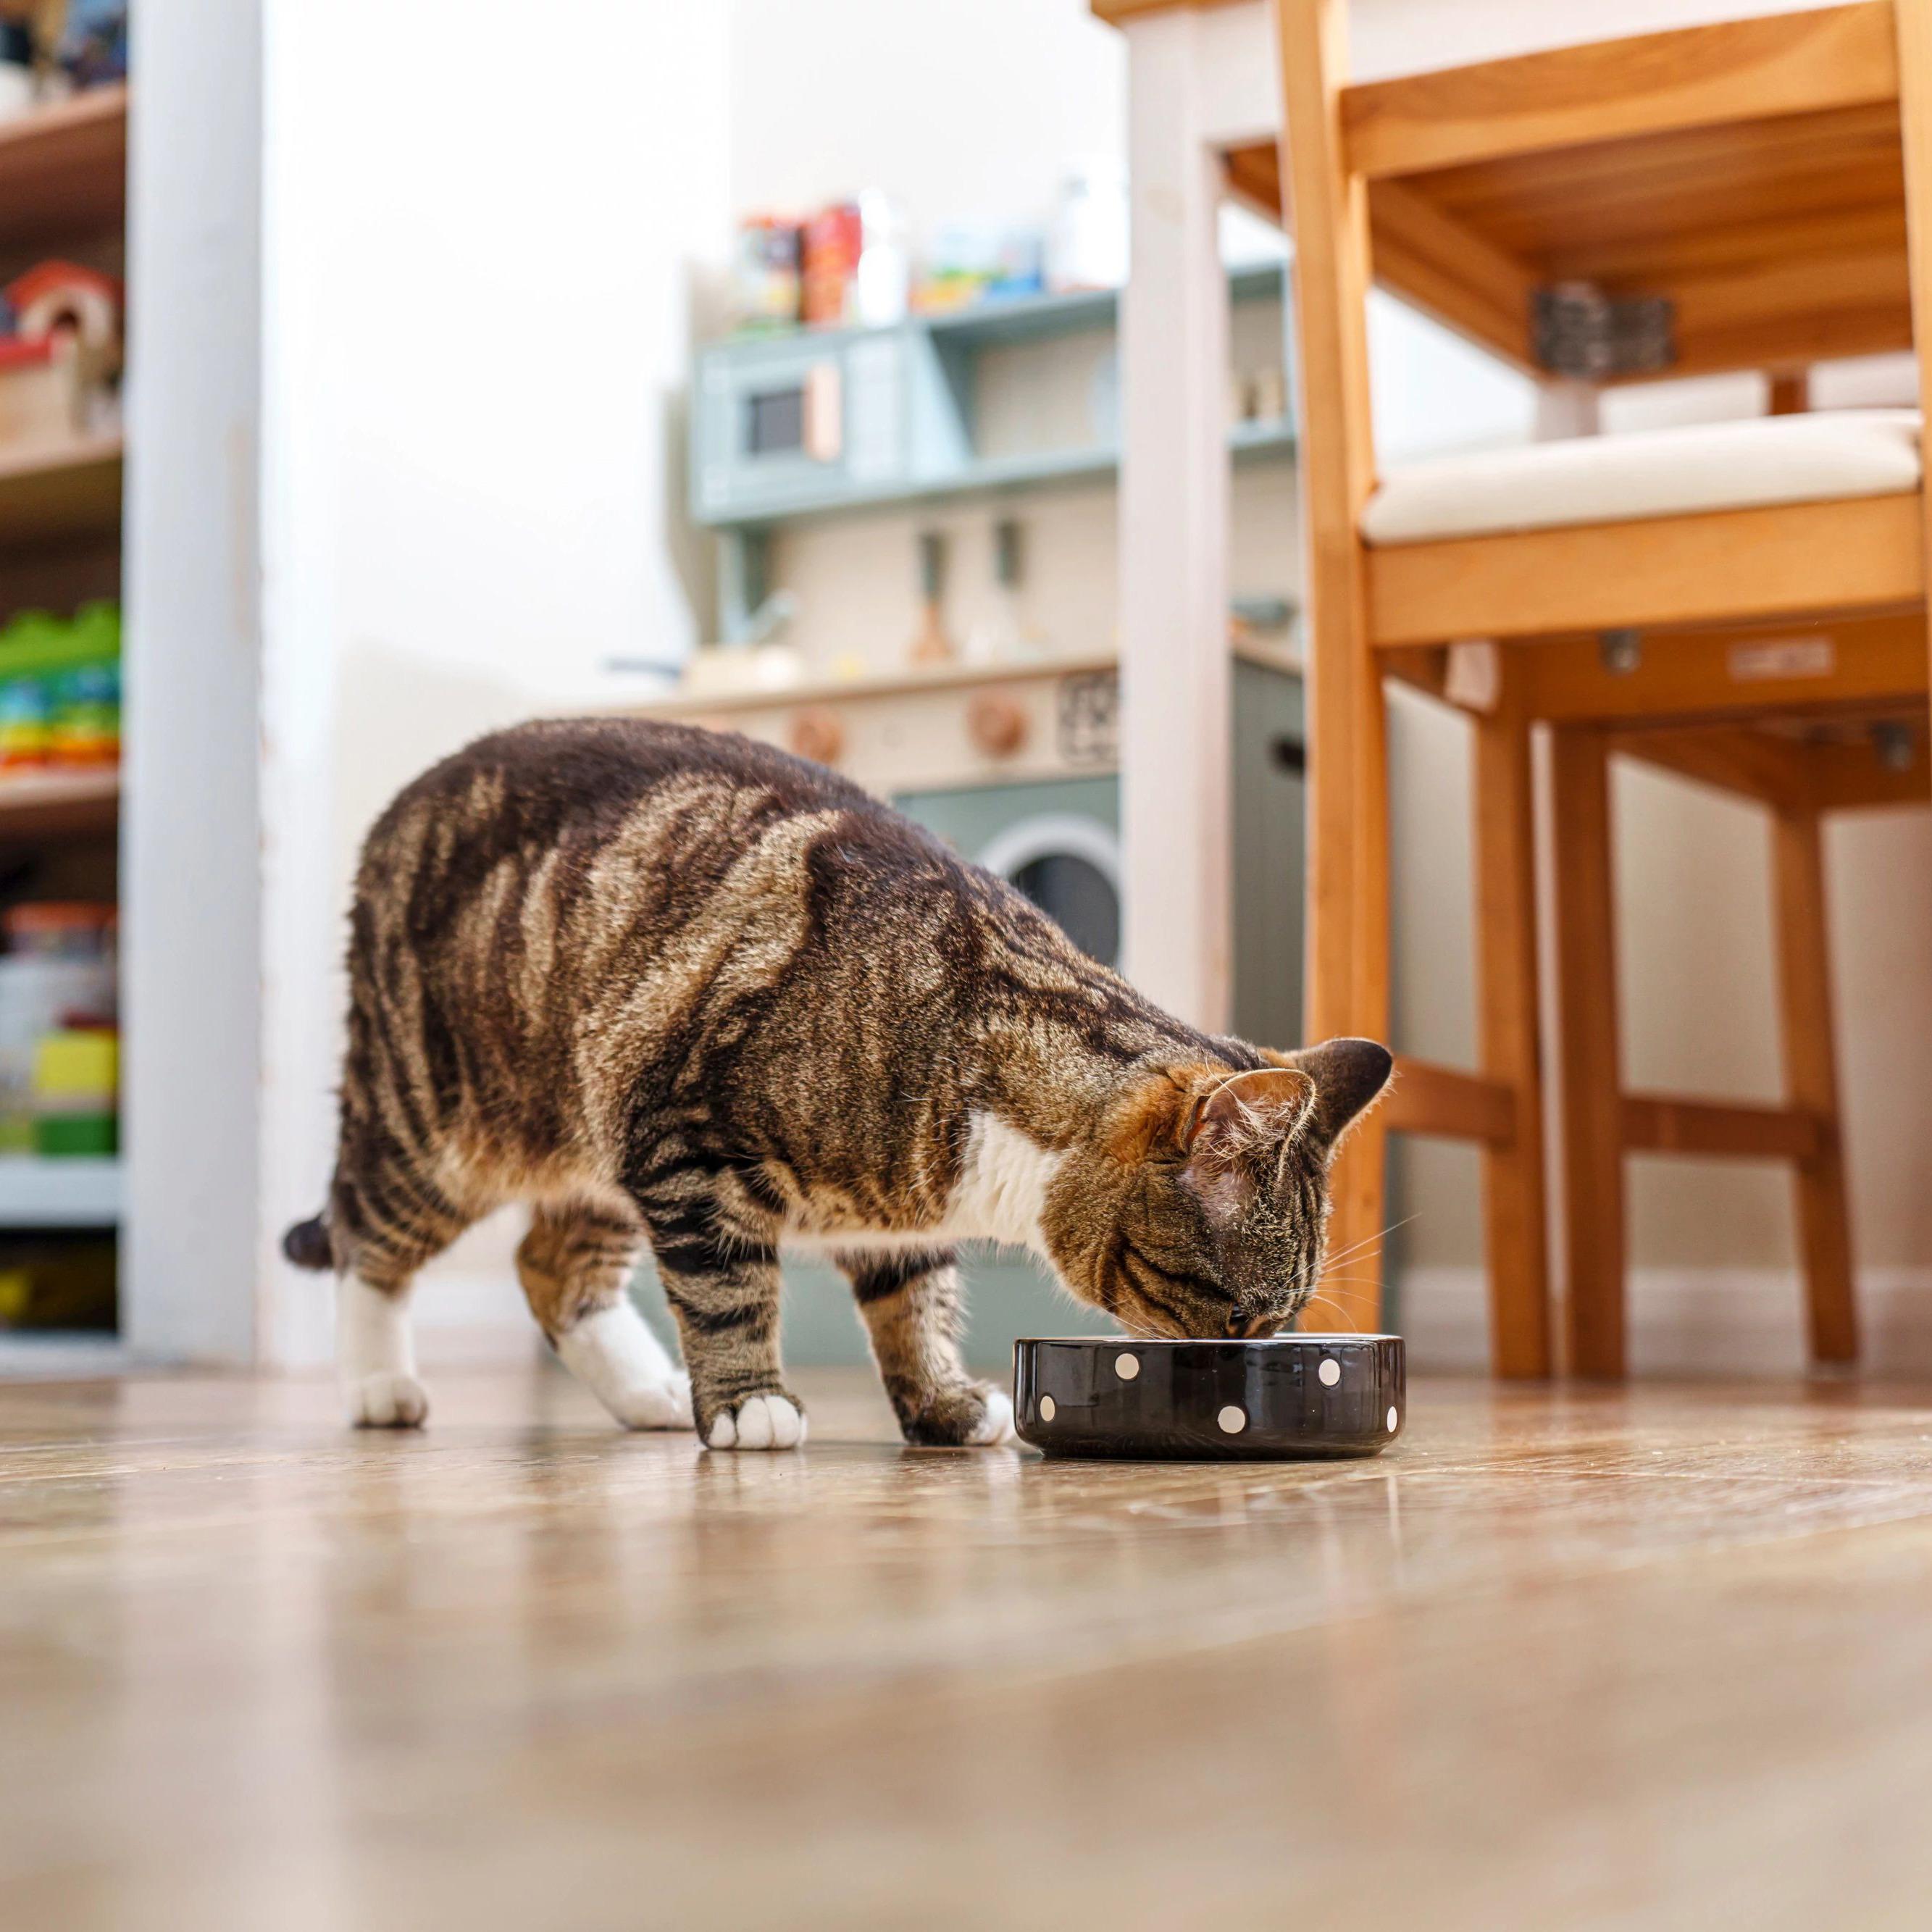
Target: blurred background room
{"type": "Point", "coordinates": [917, 386]}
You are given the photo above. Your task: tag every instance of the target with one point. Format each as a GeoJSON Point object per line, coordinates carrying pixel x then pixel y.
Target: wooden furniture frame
{"type": "Point", "coordinates": [1773, 178]}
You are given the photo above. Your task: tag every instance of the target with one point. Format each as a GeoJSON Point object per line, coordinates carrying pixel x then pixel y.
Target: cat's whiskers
{"type": "Point", "coordinates": [1368, 1240]}
{"type": "Point", "coordinates": [1321, 1301]}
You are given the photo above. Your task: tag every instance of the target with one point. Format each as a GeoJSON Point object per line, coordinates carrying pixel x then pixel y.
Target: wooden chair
{"type": "Point", "coordinates": [1757, 194]}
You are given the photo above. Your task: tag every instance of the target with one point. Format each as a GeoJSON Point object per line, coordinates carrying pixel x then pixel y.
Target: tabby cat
{"type": "Point", "coordinates": [668, 985]}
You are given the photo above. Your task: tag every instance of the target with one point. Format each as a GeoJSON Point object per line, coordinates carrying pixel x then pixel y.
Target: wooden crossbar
{"type": "Point", "coordinates": [1427, 1098]}
{"type": "Point", "coordinates": [1666, 1123]}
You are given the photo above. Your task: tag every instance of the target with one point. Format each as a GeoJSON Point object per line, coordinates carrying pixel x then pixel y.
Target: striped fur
{"type": "Point", "coordinates": [671, 986]}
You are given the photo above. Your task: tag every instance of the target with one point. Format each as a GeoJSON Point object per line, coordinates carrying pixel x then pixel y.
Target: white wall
{"type": "Point", "coordinates": [958, 108]}
{"type": "Point", "coordinates": [481, 240]}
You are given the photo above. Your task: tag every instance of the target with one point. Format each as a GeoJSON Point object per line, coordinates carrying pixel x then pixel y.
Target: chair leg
{"type": "Point", "coordinates": [1811, 1075]}
{"type": "Point", "coordinates": [1590, 1063]}
{"type": "Point", "coordinates": [1348, 980]}
{"type": "Point", "coordinates": [1513, 1178]}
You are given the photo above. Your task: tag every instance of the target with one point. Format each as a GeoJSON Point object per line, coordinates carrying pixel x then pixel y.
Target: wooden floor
{"type": "Point", "coordinates": [1660, 1659]}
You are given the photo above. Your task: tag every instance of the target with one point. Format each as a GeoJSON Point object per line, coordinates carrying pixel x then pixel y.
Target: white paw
{"type": "Point", "coordinates": [760, 1422]}
{"type": "Point", "coordinates": [996, 1424]}
{"type": "Point", "coordinates": [665, 1405]}
{"type": "Point", "coordinates": [388, 1400]}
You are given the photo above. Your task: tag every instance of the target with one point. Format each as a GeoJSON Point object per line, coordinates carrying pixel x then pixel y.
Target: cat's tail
{"type": "Point", "coordinates": [308, 1245]}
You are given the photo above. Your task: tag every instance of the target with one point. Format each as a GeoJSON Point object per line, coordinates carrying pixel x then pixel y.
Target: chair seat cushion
{"type": "Point", "coordinates": [1663, 473]}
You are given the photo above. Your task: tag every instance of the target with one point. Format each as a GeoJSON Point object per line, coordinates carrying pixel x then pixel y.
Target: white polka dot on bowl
{"type": "Point", "coordinates": [1046, 1408]}
{"type": "Point", "coordinates": [1331, 1371]}
{"type": "Point", "coordinates": [1233, 1421]}
{"type": "Point", "coordinates": [1393, 1420]}
{"type": "Point", "coordinates": [1127, 1366]}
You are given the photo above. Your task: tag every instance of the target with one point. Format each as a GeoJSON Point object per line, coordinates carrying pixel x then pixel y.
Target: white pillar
{"type": "Point", "coordinates": [1175, 669]}
{"type": "Point", "coordinates": [191, 864]}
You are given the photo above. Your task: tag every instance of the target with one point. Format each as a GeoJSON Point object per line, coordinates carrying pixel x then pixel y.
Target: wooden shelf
{"type": "Point", "coordinates": [48, 493]}
{"type": "Point", "coordinates": [53, 804]}
{"type": "Point", "coordinates": [63, 183]}
{"type": "Point", "coordinates": [63, 170]}
{"type": "Point", "coordinates": [79, 1191]}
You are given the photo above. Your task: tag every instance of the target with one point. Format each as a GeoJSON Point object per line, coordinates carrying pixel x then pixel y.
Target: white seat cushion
{"type": "Point", "coordinates": [1660, 472]}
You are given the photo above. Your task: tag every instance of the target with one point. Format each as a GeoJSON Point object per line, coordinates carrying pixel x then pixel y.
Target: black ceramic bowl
{"type": "Point", "coordinates": [1294, 1396]}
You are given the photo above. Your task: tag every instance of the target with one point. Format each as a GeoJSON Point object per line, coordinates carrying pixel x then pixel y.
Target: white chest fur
{"type": "Point", "coordinates": [1002, 1190]}
{"type": "Point", "coordinates": [999, 1196]}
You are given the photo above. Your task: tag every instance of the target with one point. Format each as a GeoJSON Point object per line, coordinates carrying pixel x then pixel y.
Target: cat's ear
{"type": "Point", "coordinates": [1348, 1075]}
{"type": "Point", "coordinates": [1234, 1133]}
{"type": "Point", "coordinates": [1251, 1114]}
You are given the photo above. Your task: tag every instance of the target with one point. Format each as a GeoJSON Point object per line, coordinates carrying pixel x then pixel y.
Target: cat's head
{"type": "Point", "coordinates": [1200, 1206]}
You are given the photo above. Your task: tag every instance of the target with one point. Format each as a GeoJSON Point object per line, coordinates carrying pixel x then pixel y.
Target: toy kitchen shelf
{"type": "Point", "coordinates": [63, 194]}
{"type": "Point", "coordinates": [812, 424]}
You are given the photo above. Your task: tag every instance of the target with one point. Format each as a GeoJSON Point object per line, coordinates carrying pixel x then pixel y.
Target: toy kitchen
{"type": "Point", "coordinates": [913, 508]}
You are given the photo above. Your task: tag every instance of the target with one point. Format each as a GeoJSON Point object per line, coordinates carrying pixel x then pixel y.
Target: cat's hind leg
{"type": "Point", "coordinates": [911, 1305]}
{"type": "Point", "coordinates": [573, 1264]}
{"type": "Point", "coordinates": [383, 1226]}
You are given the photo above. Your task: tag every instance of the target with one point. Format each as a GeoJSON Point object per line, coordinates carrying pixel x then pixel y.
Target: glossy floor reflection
{"type": "Point", "coordinates": [1660, 1658]}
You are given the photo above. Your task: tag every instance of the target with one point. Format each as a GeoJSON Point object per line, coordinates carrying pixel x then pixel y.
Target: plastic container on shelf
{"type": "Point", "coordinates": [37, 996]}
{"type": "Point", "coordinates": [882, 287]}
{"type": "Point", "coordinates": [60, 689]}
{"type": "Point", "coordinates": [828, 259]}
{"type": "Point", "coordinates": [1088, 247]}
{"type": "Point", "coordinates": [58, 974]}
{"type": "Point", "coordinates": [76, 1086]}
{"type": "Point", "coordinates": [26, 723]}
{"type": "Point", "coordinates": [973, 262]}
{"type": "Point", "coordinates": [765, 274]}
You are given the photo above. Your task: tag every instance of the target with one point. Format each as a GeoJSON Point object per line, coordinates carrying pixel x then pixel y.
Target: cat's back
{"type": "Point", "coordinates": [556, 775]}
{"type": "Point", "coordinates": [576, 783]}
{"type": "Point", "coordinates": [607, 813]}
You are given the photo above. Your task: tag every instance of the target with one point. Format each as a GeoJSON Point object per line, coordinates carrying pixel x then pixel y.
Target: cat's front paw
{"type": "Point", "coordinates": [977, 1416]}
{"type": "Point", "coordinates": [387, 1399]}
{"type": "Point", "coordinates": [771, 1420]}
{"type": "Point", "coordinates": [996, 1422]}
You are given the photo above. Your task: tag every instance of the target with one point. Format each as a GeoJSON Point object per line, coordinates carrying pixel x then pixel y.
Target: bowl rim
{"type": "Point", "coordinates": [1117, 1342]}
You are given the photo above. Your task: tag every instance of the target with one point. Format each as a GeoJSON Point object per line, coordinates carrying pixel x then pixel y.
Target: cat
{"type": "Point", "coordinates": [670, 985]}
